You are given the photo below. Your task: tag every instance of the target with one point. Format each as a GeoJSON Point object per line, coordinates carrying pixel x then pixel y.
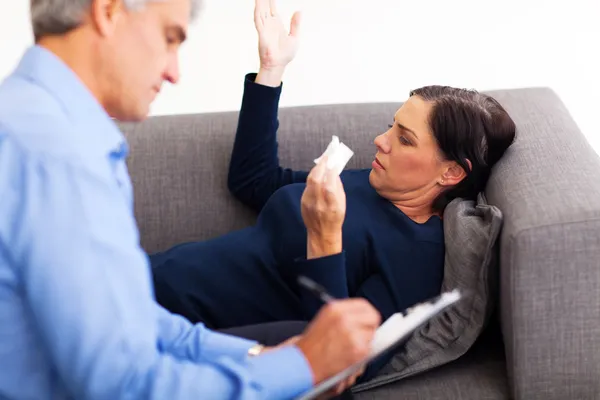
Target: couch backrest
{"type": "Point", "coordinates": [179, 164]}
{"type": "Point", "coordinates": [547, 187]}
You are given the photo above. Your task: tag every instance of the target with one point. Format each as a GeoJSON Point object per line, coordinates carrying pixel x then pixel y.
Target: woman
{"type": "Point", "coordinates": [390, 249]}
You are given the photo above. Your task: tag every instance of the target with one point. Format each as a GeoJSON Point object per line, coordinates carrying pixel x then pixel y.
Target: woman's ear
{"type": "Point", "coordinates": [454, 173]}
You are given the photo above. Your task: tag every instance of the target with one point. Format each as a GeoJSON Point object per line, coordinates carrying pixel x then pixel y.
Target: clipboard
{"type": "Point", "coordinates": [395, 329]}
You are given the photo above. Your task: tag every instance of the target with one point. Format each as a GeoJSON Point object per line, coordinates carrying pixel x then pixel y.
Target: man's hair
{"type": "Point", "coordinates": [56, 17]}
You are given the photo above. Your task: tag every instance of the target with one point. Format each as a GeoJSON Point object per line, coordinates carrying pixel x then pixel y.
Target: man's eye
{"type": "Point", "coordinates": [171, 39]}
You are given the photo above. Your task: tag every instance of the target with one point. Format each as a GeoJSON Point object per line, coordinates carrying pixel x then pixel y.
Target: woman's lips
{"type": "Point", "coordinates": [377, 164]}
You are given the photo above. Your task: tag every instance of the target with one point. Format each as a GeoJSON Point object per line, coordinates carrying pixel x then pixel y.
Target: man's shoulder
{"type": "Point", "coordinates": [32, 119]}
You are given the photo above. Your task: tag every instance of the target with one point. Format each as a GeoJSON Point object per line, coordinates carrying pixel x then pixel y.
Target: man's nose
{"type": "Point", "coordinates": [172, 74]}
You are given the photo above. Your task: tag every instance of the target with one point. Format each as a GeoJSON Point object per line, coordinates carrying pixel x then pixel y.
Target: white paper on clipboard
{"type": "Point", "coordinates": [391, 332]}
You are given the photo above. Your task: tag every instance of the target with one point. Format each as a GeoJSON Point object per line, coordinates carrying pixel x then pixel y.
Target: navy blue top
{"type": "Point", "coordinates": [391, 260]}
{"type": "Point", "coordinates": [388, 258]}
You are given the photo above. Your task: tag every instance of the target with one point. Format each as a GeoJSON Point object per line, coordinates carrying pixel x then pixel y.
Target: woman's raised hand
{"type": "Point", "coordinates": [276, 46]}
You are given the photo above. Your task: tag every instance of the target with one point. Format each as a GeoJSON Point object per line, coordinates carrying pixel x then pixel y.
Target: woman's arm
{"type": "Point", "coordinates": [254, 170]}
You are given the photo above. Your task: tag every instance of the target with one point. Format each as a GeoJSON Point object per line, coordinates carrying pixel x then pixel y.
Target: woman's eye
{"type": "Point", "coordinates": [390, 126]}
{"type": "Point", "coordinates": [404, 141]}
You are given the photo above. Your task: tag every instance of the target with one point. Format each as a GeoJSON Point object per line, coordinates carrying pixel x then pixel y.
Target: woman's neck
{"type": "Point", "coordinates": [416, 206]}
{"type": "Point", "coordinates": [420, 213]}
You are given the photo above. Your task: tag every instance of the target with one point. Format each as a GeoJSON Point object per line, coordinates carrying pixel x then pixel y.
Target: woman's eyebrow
{"type": "Point", "coordinates": [404, 128]}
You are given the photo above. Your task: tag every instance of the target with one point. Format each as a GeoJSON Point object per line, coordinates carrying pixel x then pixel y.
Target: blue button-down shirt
{"type": "Point", "coordinates": [77, 313]}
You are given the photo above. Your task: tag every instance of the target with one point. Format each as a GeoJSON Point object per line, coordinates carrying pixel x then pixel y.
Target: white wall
{"type": "Point", "coordinates": [376, 50]}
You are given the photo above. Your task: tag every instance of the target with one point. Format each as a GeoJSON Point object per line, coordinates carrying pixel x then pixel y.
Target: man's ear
{"type": "Point", "coordinates": [105, 15]}
{"type": "Point", "coordinates": [454, 173]}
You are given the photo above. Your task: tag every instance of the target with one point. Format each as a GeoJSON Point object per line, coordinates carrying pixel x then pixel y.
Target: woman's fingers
{"type": "Point", "coordinates": [317, 174]}
{"type": "Point", "coordinates": [276, 46]}
{"type": "Point", "coordinates": [262, 5]}
{"type": "Point", "coordinates": [259, 12]}
{"type": "Point", "coordinates": [295, 25]}
{"type": "Point", "coordinates": [331, 180]}
{"type": "Point", "coordinates": [273, 7]}
{"type": "Point", "coordinates": [325, 186]}
{"type": "Point", "coordinates": [263, 9]}
{"type": "Point", "coordinates": [333, 191]}
{"type": "Point", "coordinates": [323, 202]}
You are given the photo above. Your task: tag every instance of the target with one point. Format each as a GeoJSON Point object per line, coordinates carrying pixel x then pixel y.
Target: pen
{"type": "Point", "coordinates": [316, 289]}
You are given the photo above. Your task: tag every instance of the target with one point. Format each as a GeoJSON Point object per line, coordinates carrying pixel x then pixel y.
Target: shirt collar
{"type": "Point", "coordinates": [44, 68]}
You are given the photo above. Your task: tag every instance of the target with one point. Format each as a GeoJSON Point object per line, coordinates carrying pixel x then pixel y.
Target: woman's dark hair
{"type": "Point", "coordinates": [467, 125]}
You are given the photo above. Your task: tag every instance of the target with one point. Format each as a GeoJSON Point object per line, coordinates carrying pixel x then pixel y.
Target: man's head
{"type": "Point", "coordinates": [123, 50]}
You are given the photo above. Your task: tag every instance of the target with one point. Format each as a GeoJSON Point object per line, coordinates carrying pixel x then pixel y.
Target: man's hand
{"type": "Point", "coordinates": [323, 208]}
{"type": "Point", "coordinates": [276, 47]}
{"type": "Point", "coordinates": [339, 337]}
{"type": "Point", "coordinates": [342, 386]}
{"type": "Point", "coordinates": [339, 389]}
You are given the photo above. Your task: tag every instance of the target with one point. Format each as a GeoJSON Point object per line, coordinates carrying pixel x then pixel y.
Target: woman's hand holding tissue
{"type": "Point", "coordinates": [323, 210]}
{"type": "Point", "coordinates": [276, 47]}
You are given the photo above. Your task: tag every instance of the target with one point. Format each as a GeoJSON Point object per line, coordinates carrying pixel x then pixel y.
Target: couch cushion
{"type": "Point", "coordinates": [471, 230]}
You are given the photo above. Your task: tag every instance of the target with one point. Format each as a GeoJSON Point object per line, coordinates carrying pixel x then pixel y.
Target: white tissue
{"type": "Point", "coordinates": [338, 155]}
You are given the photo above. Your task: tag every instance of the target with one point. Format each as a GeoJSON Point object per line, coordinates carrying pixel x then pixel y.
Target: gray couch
{"type": "Point", "coordinates": [546, 341]}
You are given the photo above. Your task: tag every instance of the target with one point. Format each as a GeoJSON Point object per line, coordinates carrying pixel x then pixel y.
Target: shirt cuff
{"type": "Point", "coordinates": [217, 344]}
{"type": "Point", "coordinates": [282, 373]}
{"type": "Point", "coordinates": [329, 272]}
{"type": "Point", "coordinates": [260, 98]}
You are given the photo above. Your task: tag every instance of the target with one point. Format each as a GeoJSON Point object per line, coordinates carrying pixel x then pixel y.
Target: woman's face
{"type": "Point", "coordinates": [408, 164]}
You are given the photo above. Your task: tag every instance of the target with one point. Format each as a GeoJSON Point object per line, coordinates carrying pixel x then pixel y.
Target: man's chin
{"type": "Point", "coordinates": [132, 115]}
{"type": "Point", "coordinates": [140, 114]}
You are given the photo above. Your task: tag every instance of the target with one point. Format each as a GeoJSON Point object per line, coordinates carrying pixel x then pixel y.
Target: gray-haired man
{"type": "Point", "coordinates": [77, 315]}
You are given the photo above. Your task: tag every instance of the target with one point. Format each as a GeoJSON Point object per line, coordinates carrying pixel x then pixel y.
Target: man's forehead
{"type": "Point", "coordinates": [176, 11]}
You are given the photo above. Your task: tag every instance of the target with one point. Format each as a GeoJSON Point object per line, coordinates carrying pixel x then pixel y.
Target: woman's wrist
{"type": "Point", "coordinates": [323, 245]}
{"type": "Point", "coordinates": [270, 76]}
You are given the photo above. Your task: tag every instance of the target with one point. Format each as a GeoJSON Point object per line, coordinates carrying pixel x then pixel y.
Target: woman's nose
{"type": "Point", "coordinates": [382, 143]}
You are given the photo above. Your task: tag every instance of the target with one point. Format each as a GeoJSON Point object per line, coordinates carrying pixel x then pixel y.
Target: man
{"type": "Point", "coordinates": [77, 317]}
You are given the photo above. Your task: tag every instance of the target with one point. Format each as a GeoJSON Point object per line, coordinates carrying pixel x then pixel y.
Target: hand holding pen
{"type": "Point", "coordinates": [340, 335]}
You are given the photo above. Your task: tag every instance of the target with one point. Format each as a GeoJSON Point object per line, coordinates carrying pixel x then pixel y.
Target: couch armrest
{"type": "Point", "coordinates": [550, 302]}
{"type": "Point", "coordinates": [548, 188]}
